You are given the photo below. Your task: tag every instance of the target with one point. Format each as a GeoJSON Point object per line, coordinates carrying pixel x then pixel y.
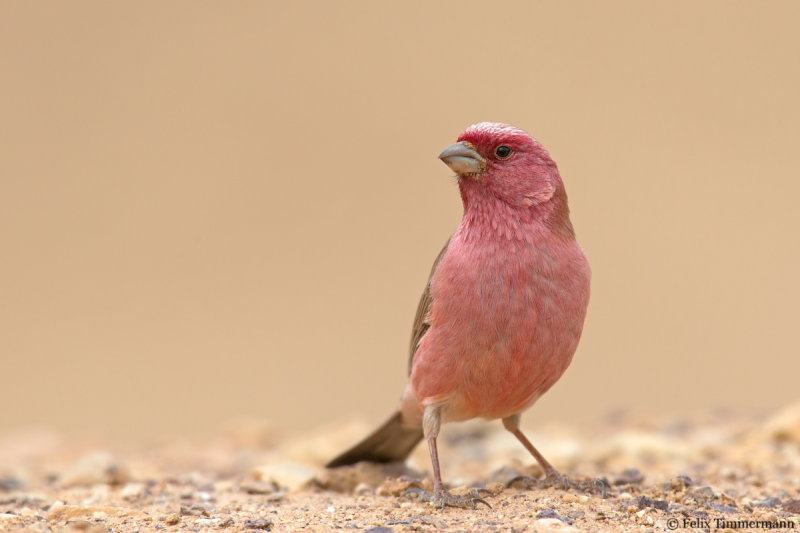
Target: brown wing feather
{"type": "Point", "coordinates": [421, 323]}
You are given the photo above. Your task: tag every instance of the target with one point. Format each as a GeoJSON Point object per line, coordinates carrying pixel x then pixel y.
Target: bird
{"type": "Point", "coordinates": [502, 312]}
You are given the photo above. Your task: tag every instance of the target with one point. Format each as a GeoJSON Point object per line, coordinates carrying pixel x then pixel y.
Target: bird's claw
{"type": "Point", "coordinates": [442, 498]}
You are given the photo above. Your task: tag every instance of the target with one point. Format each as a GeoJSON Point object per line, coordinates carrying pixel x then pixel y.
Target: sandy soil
{"type": "Point", "coordinates": [673, 474]}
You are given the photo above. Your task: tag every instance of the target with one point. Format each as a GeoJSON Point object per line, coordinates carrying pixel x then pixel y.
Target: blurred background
{"type": "Point", "coordinates": [214, 210]}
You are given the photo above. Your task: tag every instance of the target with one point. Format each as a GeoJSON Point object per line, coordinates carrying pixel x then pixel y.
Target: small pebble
{"type": "Point", "coordinates": [252, 486]}
{"type": "Point", "coordinates": [11, 483]}
{"type": "Point", "coordinates": [553, 524]}
{"type": "Point", "coordinates": [261, 523]}
{"type": "Point", "coordinates": [680, 483]}
{"type": "Point", "coordinates": [630, 476]}
{"type": "Point", "coordinates": [92, 469]}
{"type": "Point", "coordinates": [132, 491]}
{"type": "Point", "coordinates": [362, 489]}
{"type": "Point", "coordinates": [727, 509]}
{"type": "Point", "coordinates": [791, 506]}
{"type": "Point", "coordinates": [551, 513]}
{"type": "Point", "coordinates": [703, 494]}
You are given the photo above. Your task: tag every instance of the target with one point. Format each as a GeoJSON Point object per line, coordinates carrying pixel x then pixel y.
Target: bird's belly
{"type": "Point", "coordinates": [500, 339]}
{"type": "Point", "coordinates": [504, 371]}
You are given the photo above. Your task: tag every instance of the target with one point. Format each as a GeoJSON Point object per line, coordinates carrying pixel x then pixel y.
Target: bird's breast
{"type": "Point", "coordinates": [505, 321]}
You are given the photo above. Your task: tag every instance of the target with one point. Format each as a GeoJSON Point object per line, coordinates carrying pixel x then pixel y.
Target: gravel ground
{"type": "Point", "coordinates": [684, 475]}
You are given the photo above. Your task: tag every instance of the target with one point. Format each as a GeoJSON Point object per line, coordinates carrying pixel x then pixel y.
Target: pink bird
{"type": "Point", "coordinates": [503, 309]}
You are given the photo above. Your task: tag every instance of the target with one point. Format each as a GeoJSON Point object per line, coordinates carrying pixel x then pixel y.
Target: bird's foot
{"type": "Point", "coordinates": [441, 498]}
{"type": "Point", "coordinates": [598, 486]}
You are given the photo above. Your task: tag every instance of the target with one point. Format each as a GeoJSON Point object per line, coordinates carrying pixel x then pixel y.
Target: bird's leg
{"type": "Point", "coordinates": [552, 478]}
{"type": "Point", "coordinates": [431, 422]}
{"type": "Point", "coordinates": [438, 486]}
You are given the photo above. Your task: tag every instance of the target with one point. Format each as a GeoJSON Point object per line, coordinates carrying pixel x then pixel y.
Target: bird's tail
{"type": "Point", "coordinates": [391, 442]}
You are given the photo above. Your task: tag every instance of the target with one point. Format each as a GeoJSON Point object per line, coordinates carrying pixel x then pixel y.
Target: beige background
{"type": "Point", "coordinates": [210, 210]}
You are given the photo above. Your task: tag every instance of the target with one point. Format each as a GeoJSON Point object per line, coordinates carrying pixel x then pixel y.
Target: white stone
{"type": "Point", "coordinates": [132, 491]}
{"type": "Point", "coordinates": [286, 474]}
{"type": "Point", "coordinates": [554, 524]}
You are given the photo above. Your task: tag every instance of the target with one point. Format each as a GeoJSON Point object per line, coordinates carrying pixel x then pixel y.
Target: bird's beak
{"type": "Point", "coordinates": [463, 159]}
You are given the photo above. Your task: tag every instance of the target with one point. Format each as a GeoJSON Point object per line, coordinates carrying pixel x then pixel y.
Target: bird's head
{"type": "Point", "coordinates": [504, 161]}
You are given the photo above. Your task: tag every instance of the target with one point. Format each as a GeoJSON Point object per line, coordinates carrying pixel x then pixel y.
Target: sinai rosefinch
{"type": "Point", "coordinates": [504, 307]}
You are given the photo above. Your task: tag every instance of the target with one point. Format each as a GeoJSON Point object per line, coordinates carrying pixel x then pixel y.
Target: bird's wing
{"type": "Point", "coordinates": [421, 323]}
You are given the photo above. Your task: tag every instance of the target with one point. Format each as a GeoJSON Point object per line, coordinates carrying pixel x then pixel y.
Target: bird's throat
{"type": "Point", "coordinates": [488, 217]}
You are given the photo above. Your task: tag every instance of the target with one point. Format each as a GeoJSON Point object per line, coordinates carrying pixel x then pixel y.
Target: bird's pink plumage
{"type": "Point", "coordinates": [510, 293]}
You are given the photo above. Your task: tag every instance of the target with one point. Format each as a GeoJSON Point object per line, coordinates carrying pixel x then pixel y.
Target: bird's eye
{"type": "Point", "coordinates": [502, 151]}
